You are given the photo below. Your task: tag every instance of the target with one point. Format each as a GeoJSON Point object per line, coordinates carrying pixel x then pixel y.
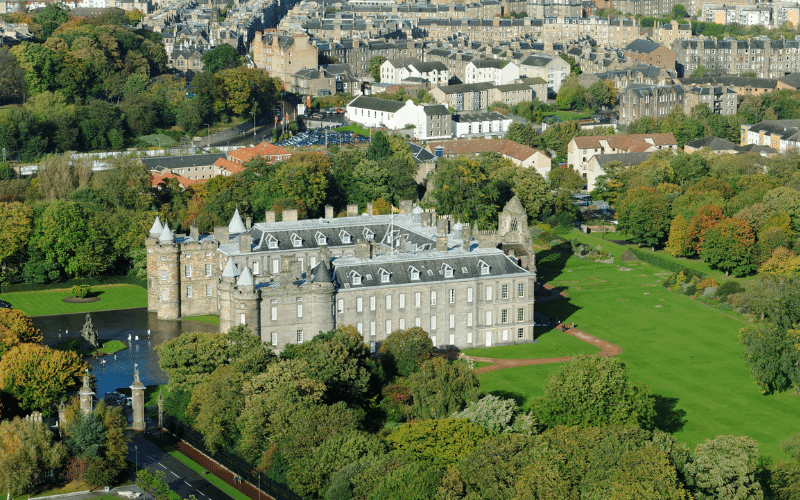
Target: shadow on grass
{"type": "Point", "coordinates": [95, 293]}
{"type": "Point", "coordinates": [668, 418]}
{"type": "Point", "coordinates": [518, 398]}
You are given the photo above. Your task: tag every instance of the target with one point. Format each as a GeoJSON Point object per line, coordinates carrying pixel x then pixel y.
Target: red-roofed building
{"type": "Point", "coordinates": [265, 150]}
{"type": "Point", "coordinates": [519, 154]}
{"type": "Point", "coordinates": [157, 178]}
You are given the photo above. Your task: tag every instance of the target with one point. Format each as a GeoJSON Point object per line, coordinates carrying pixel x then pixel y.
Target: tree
{"type": "Point", "coordinates": [699, 72]}
{"type": "Point", "coordinates": [729, 246]}
{"type": "Point", "coordinates": [12, 78]}
{"type": "Point", "coordinates": [380, 147]}
{"type": "Point", "coordinates": [16, 328]}
{"type": "Point", "coordinates": [707, 217]}
{"type": "Point", "coordinates": [771, 352]}
{"type": "Point", "coordinates": [532, 189]}
{"type": "Point", "coordinates": [567, 179]}
{"type": "Point", "coordinates": [404, 351]}
{"type": "Point", "coordinates": [221, 57]}
{"type": "Point", "coordinates": [574, 67]}
{"type": "Point", "coordinates": [462, 188]}
{"type": "Point", "coordinates": [39, 376]}
{"type": "Point", "coordinates": [595, 390]}
{"type": "Point", "coordinates": [571, 95]}
{"type": "Point", "coordinates": [51, 18]}
{"type": "Point", "coordinates": [676, 244]}
{"type": "Point", "coordinates": [443, 441]}
{"type": "Point", "coordinates": [215, 406]}
{"type": "Point", "coordinates": [644, 214]}
{"type": "Point", "coordinates": [303, 178]}
{"type": "Point", "coordinates": [27, 451]}
{"type": "Point", "coordinates": [189, 358]}
{"type": "Point", "coordinates": [679, 12]}
{"type": "Point", "coordinates": [492, 413]}
{"type": "Point", "coordinates": [375, 67]}
{"type": "Point", "coordinates": [725, 467]}
{"type": "Point", "coordinates": [442, 387]}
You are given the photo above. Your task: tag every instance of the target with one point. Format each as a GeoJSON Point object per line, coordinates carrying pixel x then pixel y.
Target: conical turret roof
{"type": "Point", "coordinates": [166, 234]}
{"type": "Point", "coordinates": [236, 225]}
{"type": "Point", "coordinates": [320, 273]}
{"type": "Point", "coordinates": [230, 270]}
{"type": "Point", "coordinates": [156, 229]}
{"type": "Point", "coordinates": [246, 278]}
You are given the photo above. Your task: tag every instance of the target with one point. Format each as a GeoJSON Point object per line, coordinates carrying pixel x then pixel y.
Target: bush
{"type": "Point", "coordinates": [727, 289]}
{"type": "Point", "coordinates": [81, 291]}
{"type": "Point", "coordinates": [658, 261]}
{"type": "Point", "coordinates": [681, 279]}
{"type": "Point", "coordinates": [707, 282]}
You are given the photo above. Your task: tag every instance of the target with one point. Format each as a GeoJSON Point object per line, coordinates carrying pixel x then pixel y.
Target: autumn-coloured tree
{"type": "Point", "coordinates": [676, 244]}
{"type": "Point", "coordinates": [16, 328]}
{"type": "Point", "coordinates": [729, 246]}
{"type": "Point", "coordinates": [783, 262]}
{"type": "Point", "coordinates": [27, 451]}
{"type": "Point", "coordinates": [15, 229]}
{"type": "Point", "coordinates": [39, 376]}
{"type": "Point", "coordinates": [707, 217]}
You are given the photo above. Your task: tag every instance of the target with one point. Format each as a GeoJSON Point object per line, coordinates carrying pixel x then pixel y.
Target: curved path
{"type": "Point", "coordinates": [606, 348]}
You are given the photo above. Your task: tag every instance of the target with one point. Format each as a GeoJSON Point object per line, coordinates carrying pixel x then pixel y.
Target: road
{"type": "Point", "coordinates": [181, 479]}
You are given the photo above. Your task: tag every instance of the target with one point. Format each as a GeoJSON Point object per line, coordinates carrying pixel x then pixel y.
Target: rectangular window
{"type": "Point", "coordinates": [163, 276]}
{"type": "Point", "coordinates": [187, 270]}
{"type": "Point", "coordinates": [359, 304]}
{"type": "Point", "coordinates": [469, 294]}
{"type": "Point", "coordinates": [163, 295]}
{"type": "Point", "coordinates": [433, 298]}
{"type": "Point", "coordinates": [256, 267]}
{"type": "Point", "coordinates": [208, 269]}
{"type": "Point", "coordinates": [433, 340]}
{"type": "Point", "coordinates": [521, 290]}
{"type": "Point", "coordinates": [520, 333]}
{"type": "Point", "coordinates": [340, 305]}
{"type": "Point", "coordinates": [388, 326]}
{"type": "Point", "coordinates": [452, 321]}
{"type": "Point", "coordinates": [520, 315]}
{"type": "Point", "coordinates": [276, 266]}
{"type": "Point", "coordinates": [433, 323]}
{"type": "Point", "coordinates": [208, 291]}
{"type": "Point", "coordinates": [469, 337]}
{"type": "Point", "coordinates": [469, 319]}
{"type": "Point", "coordinates": [372, 328]}
{"type": "Point", "coordinates": [372, 347]}
{"type": "Point", "coordinates": [504, 316]}
{"type": "Point", "coordinates": [452, 296]}
{"type": "Point", "coordinates": [488, 293]}
{"type": "Point", "coordinates": [299, 310]}
{"type": "Point", "coordinates": [402, 324]}
{"type": "Point", "coordinates": [273, 338]}
{"type": "Point", "coordinates": [504, 291]}
{"type": "Point", "coordinates": [372, 303]}
{"type": "Point", "coordinates": [243, 319]}
{"type": "Point", "coordinates": [417, 299]}
{"type": "Point", "coordinates": [188, 292]}
{"type": "Point", "coordinates": [417, 321]}
{"type": "Point", "coordinates": [488, 318]}
{"type": "Point", "coordinates": [360, 328]}
{"type": "Point", "coordinates": [504, 335]}
{"type": "Point", "coordinates": [452, 339]}
{"type": "Point", "coordinates": [388, 302]}
{"type": "Point", "coordinates": [274, 314]}
{"type": "Point", "coordinates": [299, 336]}
{"type": "Point", "coordinates": [402, 301]}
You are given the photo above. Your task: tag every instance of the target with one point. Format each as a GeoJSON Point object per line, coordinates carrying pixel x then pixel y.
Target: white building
{"type": "Point", "coordinates": [396, 70]}
{"type": "Point", "coordinates": [430, 121]}
{"type": "Point", "coordinates": [494, 71]}
{"type": "Point", "coordinates": [480, 124]}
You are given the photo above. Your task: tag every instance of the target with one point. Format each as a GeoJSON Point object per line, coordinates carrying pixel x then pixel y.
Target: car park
{"type": "Point", "coordinates": [321, 137]}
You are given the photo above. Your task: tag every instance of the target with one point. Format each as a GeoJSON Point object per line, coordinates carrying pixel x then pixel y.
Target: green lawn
{"type": "Point", "coordinates": [46, 302]}
{"type": "Point", "coordinates": [208, 318]}
{"type": "Point", "coordinates": [106, 346]}
{"type": "Point", "coordinates": [550, 344]}
{"type": "Point", "coordinates": [520, 384]}
{"type": "Point", "coordinates": [354, 128]}
{"type": "Point", "coordinates": [568, 115]}
{"type": "Point", "coordinates": [686, 352]}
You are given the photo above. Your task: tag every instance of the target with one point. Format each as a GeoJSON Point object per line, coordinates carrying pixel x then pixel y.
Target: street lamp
{"type": "Point", "coordinates": [209, 134]}
{"type": "Point", "coordinates": [254, 123]}
{"type": "Point", "coordinates": [137, 458]}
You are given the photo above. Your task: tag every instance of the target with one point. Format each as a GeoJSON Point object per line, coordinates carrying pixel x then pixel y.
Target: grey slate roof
{"type": "Point", "coordinates": [421, 155]}
{"type": "Point", "coordinates": [465, 265]}
{"type": "Point", "coordinates": [642, 46]}
{"type": "Point", "coordinates": [732, 81]}
{"type": "Point", "coordinates": [789, 130]}
{"type": "Point", "coordinates": [160, 163]}
{"type": "Point", "coordinates": [624, 158]}
{"type": "Point", "coordinates": [490, 63]}
{"type": "Point", "coordinates": [435, 110]}
{"type": "Point", "coordinates": [466, 87]}
{"type": "Point", "coordinates": [375, 104]}
{"type": "Point", "coordinates": [478, 116]}
{"type": "Point", "coordinates": [755, 148]}
{"type": "Point", "coordinates": [792, 80]}
{"type": "Point", "coordinates": [712, 143]}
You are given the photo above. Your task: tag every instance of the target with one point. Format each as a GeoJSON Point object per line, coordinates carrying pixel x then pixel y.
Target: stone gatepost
{"type": "Point", "coordinates": [86, 395]}
{"type": "Point", "coordinates": [62, 420]}
{"type": "Point", "coordinates": [137, 394]}
{"type": "Point", "coordinates": [160, 409]}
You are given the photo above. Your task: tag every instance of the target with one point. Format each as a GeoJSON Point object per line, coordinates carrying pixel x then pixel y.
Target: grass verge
{"type": "Point", "coordinates": [550, 344]}
{"type": "Point", "coordinates": [686, 352]}
{"type": "Point", "coordinates": [106, 347]}
{"type": "Point", "coordinates": [212, 319]}
{"type": "Point", "coordinates": [208, 476]}
{"type": "Point", "coordinates": [354, 128]}
{"type": "Point", "coordinates": [46, 302]}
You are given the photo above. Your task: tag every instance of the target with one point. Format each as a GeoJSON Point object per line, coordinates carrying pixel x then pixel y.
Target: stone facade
{"type": "Point", "coordinates": [289, 280]}
{"type": "Point", "coordinates": [282, 56]}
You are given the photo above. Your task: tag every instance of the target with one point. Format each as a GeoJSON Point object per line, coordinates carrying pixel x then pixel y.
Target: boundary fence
{"type": "Point", "coordinates": [111, 280]}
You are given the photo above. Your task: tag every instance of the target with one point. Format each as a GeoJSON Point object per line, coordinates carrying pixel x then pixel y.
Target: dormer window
{"type": "Point", "coordinates": [297, 241]}
{"type": "Point", "coordinates": [484, 267]}
{"type": "Point", "coordinates": [345, 236]}
{"type": "Point", "coordinates": [448, 271]}
{"type": "Point", "coordinates": [368, 235]}
{"type": "Point", "coordinates": [385, 275]}
{"type": "Point", "coordinates": [321, 238]}
{"type": "Point", "coordinates": [414, 272]}
{"type": "Point", "coordinates": [272, 242]}
{"type": "Point", "coordinates": [355, 278]}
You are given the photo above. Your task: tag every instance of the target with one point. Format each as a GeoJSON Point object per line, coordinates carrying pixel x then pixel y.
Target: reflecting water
{"type": "Point", "coordinates": [117, 371]}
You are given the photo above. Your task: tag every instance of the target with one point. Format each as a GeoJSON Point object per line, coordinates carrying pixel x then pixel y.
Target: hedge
{"type": "Point", "coordinates": [658, 261]}
{"type": "Point", "coordinates": [109, 280]}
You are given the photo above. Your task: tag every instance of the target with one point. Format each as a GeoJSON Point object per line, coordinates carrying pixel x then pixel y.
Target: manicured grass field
{"type": "Point", "coordinates": [567, 115]}
{"type": "Point", "coordinates": [208, 318]}
{"type": "Point", "coordinates": [521, 384]}
{"type": "Point", "coordinates": [354, 128]}
{"type": "Point", "coordinates": [686, 352]}
{"type": "Point", "coordinates": [106, 346]}
{"type": "Point", "coordinates": [46, 302]}
{"type": "Point", "coordinates": [550, 344]}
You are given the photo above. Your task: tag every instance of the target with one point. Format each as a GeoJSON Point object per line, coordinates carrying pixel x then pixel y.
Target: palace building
{"type": "Point", "coordinates": [289, 280]}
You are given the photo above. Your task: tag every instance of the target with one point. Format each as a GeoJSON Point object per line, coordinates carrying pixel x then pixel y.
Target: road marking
{"type": "Point", "coordinates": [187, 483]}
{"type": "Point", "coordinates": [162, 465]}
{"type": "Point", "coordinates": [173, 473]}
{"type": "Point", "coordinates": [200, 492]}
{"type": "Point", "coordinates": [151, 458]}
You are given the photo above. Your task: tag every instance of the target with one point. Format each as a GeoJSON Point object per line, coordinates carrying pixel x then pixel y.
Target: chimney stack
{"type": "Point", "coordinates": [369, 208]}
{"type": "Point", "coordinates": [362, 249]}
{"type": "Point", "coordinates": [194, 232]}
{"type": "Point", "coordinates": [248, 223]}
{"type": "Point", "coordinates": [403, 238]}
{"type": "Point", "coordinates": [441, 243]}
{"type": "Point", "coordinates": [221, 234]}
{"type": "Point", "coordinates": [289, 214]}
{"type": "Point", "coordinates": [270, 217]}
{"type": "Point", "coordinates": [328, 212]}
{"type": "Point", "coordinates": [352, 210]}
{"type": "Point", "coordinates": [244, 243]}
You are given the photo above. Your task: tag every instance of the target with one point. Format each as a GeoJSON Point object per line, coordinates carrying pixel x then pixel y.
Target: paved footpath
{"type": "Point", "coordinates": [606, 348]}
